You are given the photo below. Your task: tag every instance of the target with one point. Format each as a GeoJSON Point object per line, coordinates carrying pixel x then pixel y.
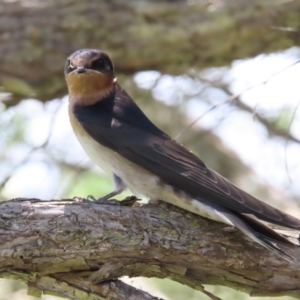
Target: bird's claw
{"type": "Point", "coordinates": [92, 199]}
{"type": "Point", "coordinates": [103, 201]}
{"type": "Point", "coordinates": [128, 201]}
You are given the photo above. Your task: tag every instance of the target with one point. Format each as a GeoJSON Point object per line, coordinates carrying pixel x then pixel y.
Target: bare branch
{"type": "Point", "coordinates": [273, 130]}
{"type": "Point", "coordinates": [75, 286]}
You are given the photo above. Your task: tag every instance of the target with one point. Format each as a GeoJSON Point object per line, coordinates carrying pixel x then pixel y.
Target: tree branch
{"type": "Point", "coordinates": [58, 246]}
{"type": "Point", "coordinates": [36, 37]}
{"type": "Point", "coordinates": [76, 285]}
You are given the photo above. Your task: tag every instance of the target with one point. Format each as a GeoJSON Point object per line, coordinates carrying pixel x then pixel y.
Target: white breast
{"type": "Point", "coordinates": [137, 179]}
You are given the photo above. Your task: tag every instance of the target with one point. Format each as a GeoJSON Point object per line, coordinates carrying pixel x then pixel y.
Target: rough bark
{"type": "Point", "coordinates": [169, 36]}
{"type": "Point", "coordinates": [70, 248]}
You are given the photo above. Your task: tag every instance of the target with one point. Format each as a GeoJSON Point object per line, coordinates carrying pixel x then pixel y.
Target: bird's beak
{"type": "Point", "coordinates": [80, 69]}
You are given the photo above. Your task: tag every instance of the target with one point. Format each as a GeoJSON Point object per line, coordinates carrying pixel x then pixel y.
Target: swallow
{"type": "Point", "coordinates": [119, 138]}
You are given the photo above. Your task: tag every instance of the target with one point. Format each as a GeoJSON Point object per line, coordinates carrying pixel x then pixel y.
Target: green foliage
{"type": "Point", "coordinates": [283, 119]}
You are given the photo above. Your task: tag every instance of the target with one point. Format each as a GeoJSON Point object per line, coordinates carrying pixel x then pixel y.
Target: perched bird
{"type": "Point", "coordinates": [119, 138]}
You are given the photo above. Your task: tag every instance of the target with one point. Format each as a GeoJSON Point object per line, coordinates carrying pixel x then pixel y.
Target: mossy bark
{"type": "Point", "coordinates": [57, 245]}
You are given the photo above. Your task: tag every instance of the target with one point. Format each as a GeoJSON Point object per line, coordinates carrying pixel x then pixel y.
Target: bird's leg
{"type": "Point", "coordinates": [120, 186]}
{"type": "Point", "coordinates": [128, 201]}
{"type": "Point", "coordinates": [104, 199]}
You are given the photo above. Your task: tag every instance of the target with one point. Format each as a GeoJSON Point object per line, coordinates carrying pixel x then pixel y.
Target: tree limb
{"type": "Point", "coordinates": [54, 245]}
{"type": "Point", "coordinates": [169, 36]}
{"type": "Point", "coordinates": [76, 285]}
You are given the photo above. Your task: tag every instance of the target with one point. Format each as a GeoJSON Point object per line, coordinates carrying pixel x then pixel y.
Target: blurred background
{"type": "Point", "coordinates": [222, 76]}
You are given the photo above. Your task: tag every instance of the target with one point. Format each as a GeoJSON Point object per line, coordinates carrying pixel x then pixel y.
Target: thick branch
{"type": "Point", "coordinates": [82, 244]}
{"type": "Point", "coordinates": [169, 36]}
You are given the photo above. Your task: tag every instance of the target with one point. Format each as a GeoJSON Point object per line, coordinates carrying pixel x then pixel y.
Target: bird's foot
{"type": "Point", "coordinates": [128, 201]}
{"type": "Point", "coordinates": [102, 201]}
{"type": "Point", "coordinates": [92, 199]}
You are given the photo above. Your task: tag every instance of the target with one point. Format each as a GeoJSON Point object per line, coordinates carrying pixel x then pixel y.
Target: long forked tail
{"type": "Point", "coordinates": [265, 236]}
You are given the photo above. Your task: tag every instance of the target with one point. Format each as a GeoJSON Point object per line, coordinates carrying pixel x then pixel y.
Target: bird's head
{"type": "Point", "coordinates": [90, 75]}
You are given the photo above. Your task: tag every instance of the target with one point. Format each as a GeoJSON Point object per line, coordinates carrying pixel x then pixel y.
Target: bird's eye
{"type": "Point", "coordinates": [98, 64]}
{"type": "Point", "coordinates": [69, 66]}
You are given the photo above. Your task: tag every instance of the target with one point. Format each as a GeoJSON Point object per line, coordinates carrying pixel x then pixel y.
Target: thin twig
{"type": "Point", "coordinates": [286, 143]}
{"type": "Point", "coordinates": [231, 98]}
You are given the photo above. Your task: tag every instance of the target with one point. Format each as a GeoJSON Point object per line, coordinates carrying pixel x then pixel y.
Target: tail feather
{"type": "Point", "coordinates": [265, 236]}
{"type": "Point", "coordinates": [288, 252]}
